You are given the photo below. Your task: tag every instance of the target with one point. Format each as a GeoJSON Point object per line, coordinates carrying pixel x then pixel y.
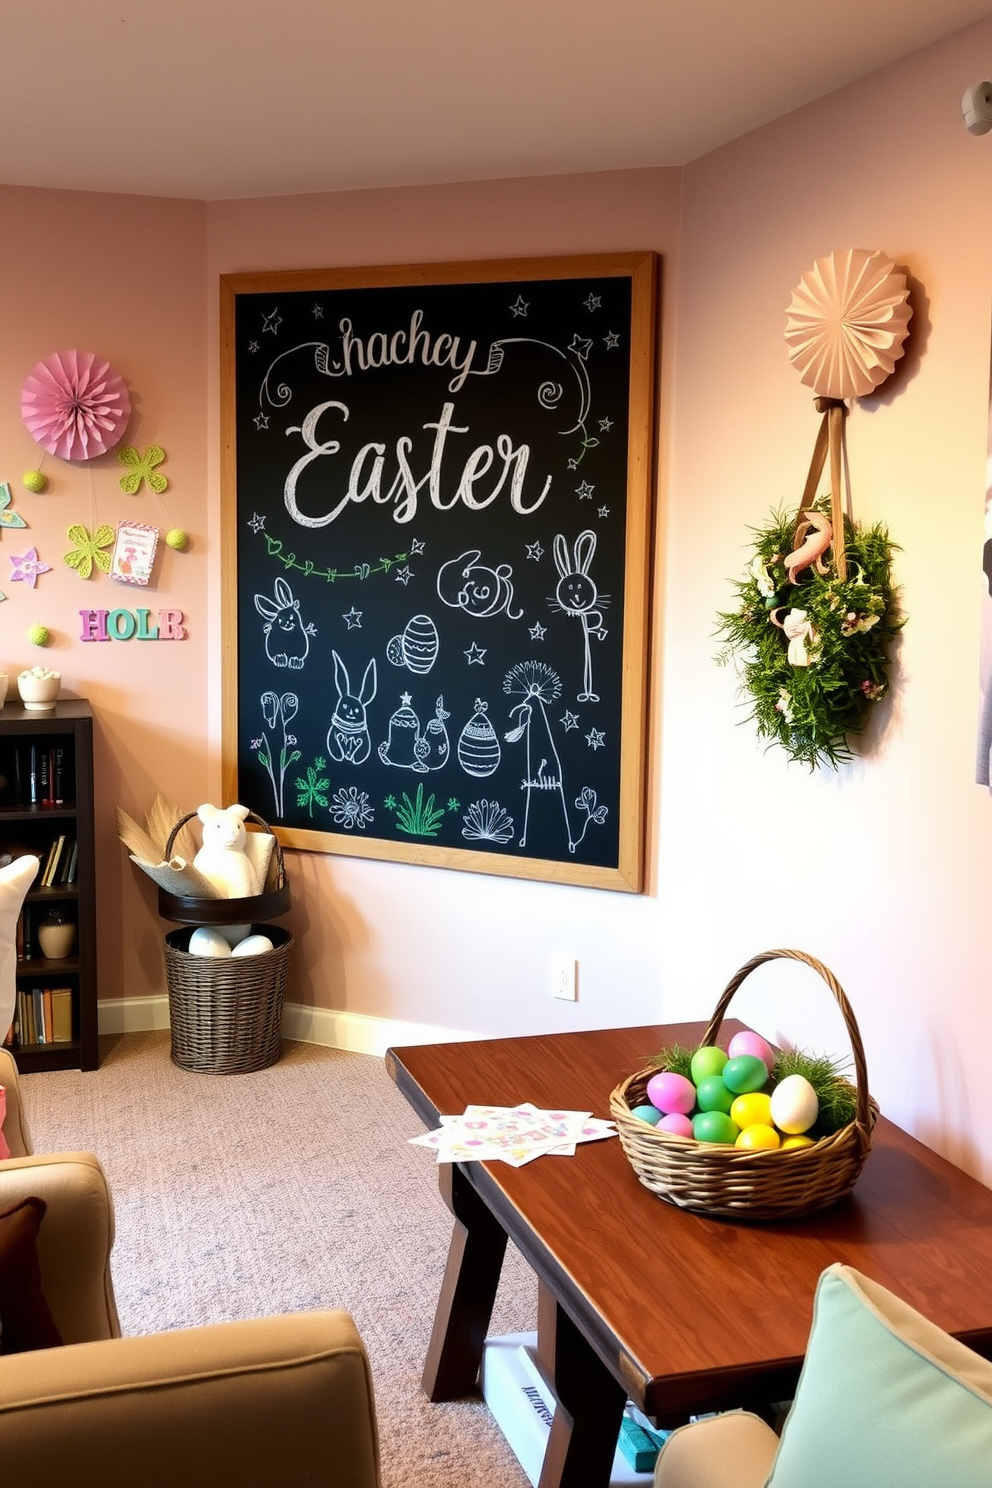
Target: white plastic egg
{"type": "Point", "coordinates": [206, 941]}
{"type": "Point", "coordinates": [794, 1105]}
{"type": "Point", "coordinates": [252, 945]}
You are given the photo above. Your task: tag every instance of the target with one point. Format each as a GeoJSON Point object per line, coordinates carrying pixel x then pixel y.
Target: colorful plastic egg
{"type": "Point", "coordinates": [747, 1042]}
{"type": "Point", "coordinates": [650, 1114]}
{"type": "Point", "coordinates": [758, 1138]}
{"type": "Point", "coordinates": [715, 1126]}
{"type": "Point", "coordinates": [794, 1105]}
{"type": "Point", "coordinates": [790, 1142]}
{"type": "Point", "coordinates": [745, 1072]}
{"type": "Point", "coordinates": [709, 1060]}
{"type": "Point", "coordinates": [752, 1109]}
{"type": "Point", "coordinates": [676, 1125]}
{"type": "Point", "coordinates": [713, 1095]}
{"type": "Point", "coordinates": [206, 941]}
{"type": "Point", "coordinates": [671, 1092]}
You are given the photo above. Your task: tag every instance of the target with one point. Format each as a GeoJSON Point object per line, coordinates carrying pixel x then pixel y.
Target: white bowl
{"type": "Point", "coordinates": [38, 693]}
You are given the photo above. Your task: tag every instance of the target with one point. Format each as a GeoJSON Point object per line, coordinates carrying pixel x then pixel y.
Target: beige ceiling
{"type": "Point", "coordinates": [229, 98]}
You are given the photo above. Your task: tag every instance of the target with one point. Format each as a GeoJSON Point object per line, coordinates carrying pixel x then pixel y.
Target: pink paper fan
{"type": "Point", "coordinates": [74, 405]}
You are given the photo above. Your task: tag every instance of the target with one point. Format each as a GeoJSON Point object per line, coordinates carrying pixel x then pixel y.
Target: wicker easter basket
{"type": "Point", "coordinates": [738, 1183]}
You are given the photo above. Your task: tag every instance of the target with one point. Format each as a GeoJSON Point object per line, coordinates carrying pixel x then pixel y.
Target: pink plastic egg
{"type": "Point", "coordinates": [671, 1093]}
{"type": "Point", "coordinates": [676, 1124]}
{"type": "Point", "coordinates": [747, 1042]}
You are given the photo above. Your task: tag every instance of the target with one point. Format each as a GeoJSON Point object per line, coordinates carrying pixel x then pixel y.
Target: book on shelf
{"type": "Point", "coordinates": [61, 1015]}
{"type": "Point", "coordinates": [73, 864]}
{"type": "Point", "coordinates": [54, 863]}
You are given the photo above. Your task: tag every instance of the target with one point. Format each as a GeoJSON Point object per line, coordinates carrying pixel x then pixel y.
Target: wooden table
{"type": "Point", "coordinates": [638, 1298]}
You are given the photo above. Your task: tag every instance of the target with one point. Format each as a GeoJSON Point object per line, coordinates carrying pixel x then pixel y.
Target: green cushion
{"type": "Point", "coordinates": [885, 1398]}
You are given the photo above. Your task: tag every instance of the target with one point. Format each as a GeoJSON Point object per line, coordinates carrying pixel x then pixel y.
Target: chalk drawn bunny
{"type": "Point", "coordinates": [287, 639]}
{"type": "Point", "coordinates": [348, 737]}
{"type": "Point", "coordinates": [578, 596]}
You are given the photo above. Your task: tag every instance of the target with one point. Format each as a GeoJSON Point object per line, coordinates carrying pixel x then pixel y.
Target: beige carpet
{"type": "Point", "coordinates": [291, 1188]}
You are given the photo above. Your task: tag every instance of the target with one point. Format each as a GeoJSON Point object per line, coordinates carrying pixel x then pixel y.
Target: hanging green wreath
{"type": "Point", "coordinates": [810, 648]}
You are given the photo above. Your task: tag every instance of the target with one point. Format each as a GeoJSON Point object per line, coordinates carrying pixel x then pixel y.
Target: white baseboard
{"type": "Point", "coordinates": [356, 1032]}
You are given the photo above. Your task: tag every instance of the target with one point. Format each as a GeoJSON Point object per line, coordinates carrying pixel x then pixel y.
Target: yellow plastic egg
{"type": "Point", "coordinates": [759, 1138]}
{"type": "Point", "coordinates": [753, 1109]}
{"type": "Point", "coordinates": [796, 1142]}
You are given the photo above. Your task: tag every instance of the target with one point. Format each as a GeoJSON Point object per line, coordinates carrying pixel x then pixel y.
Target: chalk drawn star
{"type": "Point", "coordinates": [535, 551]}
{"type": "Point", "coordinates": [318, 312]}
{"type": "Point", "coordinates": [353, 619]}
{"type": "Point", "coordinates": [606, 424]}
{"type": "Point", "coordinates": [253, 346]}
{"type": "Point", "coordinates": [581, 346]}
{"type": "Point", "coordinates": [584, 491]}
{"type": "Point", "coordinates": [593, 302]}
{"type": "Point", "coordinates": [389, 802]}
{"type": "Point", "coordinates": [404, 700]}
{"type": "Point", "coordinates": [604, 511]}
{"type": "Point", "coordinates": [416, 546]}
{"type": "Point", "coordinates": [404, 575]}
{"type": "Point", "coordinates": [476, 654]}
{"type": "Point", "coordinates": [454, 804]}
{"type": "Point", "coordinates": [570, 720]}
{"type": "Point", "coordinates": [538, 632]}
{"type": "Point", "coordinates": [271, 322]}
{"type": "Point", "coordinates": [256, 522]}
{"type": "Point", "coordinates": [611, 340]}
{"type": "Point", "coordinates": [519, 306]}
{"type": "Point", "coordinates": [27, 567]}
{"type": "Point", "coordinates": [261, 421]}
{"type": "Point", "coordinates": [595, 739]}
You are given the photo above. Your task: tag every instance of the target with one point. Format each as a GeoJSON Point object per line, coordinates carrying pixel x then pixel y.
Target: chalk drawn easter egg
{"type": "Point", "coordinates": [478, 746]}
{"type": "Point", "coordinates": [417, 647]}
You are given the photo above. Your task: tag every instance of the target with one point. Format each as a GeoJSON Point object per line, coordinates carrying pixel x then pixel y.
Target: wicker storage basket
{"type": "Point", "coordinates": [273, 901]}
{"type": "Point", "coordinates": [739, 1183]}
{"type": "Point", "coordinates": [226, 1012]}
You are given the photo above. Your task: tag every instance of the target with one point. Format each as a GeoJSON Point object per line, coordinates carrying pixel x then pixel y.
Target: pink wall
{"type": "Point", "coordinates": [121, 277]}
{"type": "Point", "coordinates": [881, 869]}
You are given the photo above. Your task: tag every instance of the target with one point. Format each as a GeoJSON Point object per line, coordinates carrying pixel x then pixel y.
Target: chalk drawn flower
{"type": "Point", "coordinates": [350, 807]}
{"type": "Point", "coordinates": [142, 469]}
{"type": "Point", "coordinates": [74, 405]}
{"type": "Point", "coordinates": [311, 787]}
{"type": "Point", "coordinates": [89, 550]}
{"type": "Point", "coordinates": [27, 567]}
{"type": "Point", "coordinates": [486, 821]}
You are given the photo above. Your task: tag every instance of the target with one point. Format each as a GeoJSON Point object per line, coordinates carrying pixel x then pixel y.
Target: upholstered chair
{"type": "Point", "coordinates": [277, 1400]}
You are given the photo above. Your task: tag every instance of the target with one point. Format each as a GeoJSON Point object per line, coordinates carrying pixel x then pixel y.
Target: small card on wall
{"type": "Point", "coordinates": [134, 553]}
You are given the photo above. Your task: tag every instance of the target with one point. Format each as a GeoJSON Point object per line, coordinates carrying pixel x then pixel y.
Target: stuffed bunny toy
{"type": "Point", "coordinates": [222, 857]}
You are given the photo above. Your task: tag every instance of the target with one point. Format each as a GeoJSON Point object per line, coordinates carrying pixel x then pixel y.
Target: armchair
{"type": "Point", "coordinates": [275, 1400]}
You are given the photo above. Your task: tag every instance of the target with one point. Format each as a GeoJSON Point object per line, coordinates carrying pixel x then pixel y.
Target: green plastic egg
{"type": "Point", "coordinates": [715, 1126]}
{"type": "Point", "coordinates": [709, 1060]}
{"type": "Point", "coordinates": [744, 1073]}
{"type": "Point", "coordinates": [713, 1095]}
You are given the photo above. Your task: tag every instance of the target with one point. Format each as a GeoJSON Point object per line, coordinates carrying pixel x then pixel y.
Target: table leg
{"type": "Point", "coordinates": [589, 1406]}
{"type": "Point", "coordinates": [471, 1276]}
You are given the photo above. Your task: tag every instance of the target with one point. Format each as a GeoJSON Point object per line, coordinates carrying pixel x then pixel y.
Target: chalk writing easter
{"type": "Point", "coordinates": [368, 474]}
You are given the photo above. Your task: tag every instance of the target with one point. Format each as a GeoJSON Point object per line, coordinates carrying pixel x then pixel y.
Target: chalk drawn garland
{"type": "Point", "coordinates": [75, 405]}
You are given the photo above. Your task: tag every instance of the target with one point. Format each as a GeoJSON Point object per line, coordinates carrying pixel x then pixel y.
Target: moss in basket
{"type": "Point", "coordinates": [837, 1097]}
{"type": "Point", "coordinates": [676, 1059]}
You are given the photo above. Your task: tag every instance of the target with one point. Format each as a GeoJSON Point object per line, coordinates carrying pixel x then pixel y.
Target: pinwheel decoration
{"type": "Point", "coordinates": [75, 405]}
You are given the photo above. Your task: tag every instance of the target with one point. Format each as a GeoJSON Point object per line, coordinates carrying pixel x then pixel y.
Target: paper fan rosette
{"type": "Point", "coordinates": [847, 322]}
{"type": "Point", "coordinates": [75, 405]}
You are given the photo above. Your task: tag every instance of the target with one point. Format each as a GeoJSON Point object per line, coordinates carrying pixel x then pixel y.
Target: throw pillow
{"type": "Point", "coordinates": [15, 880]}
{"type": "Point", "coordinates": [26, 1320]}
{"type": "Point", "coordinates": [884, 1397]}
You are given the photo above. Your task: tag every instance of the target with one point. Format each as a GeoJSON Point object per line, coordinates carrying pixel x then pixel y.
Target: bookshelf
{"type": "Point", "coordinates": [46, 794]}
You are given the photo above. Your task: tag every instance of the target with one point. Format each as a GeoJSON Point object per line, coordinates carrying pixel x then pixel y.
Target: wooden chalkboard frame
{"type": "Point", "coordinates": [640, 271]}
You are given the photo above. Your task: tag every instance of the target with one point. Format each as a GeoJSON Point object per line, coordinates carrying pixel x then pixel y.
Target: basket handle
{"type": "Point", "coordinates": [862, 1115]}
{"type": "Point", "coordinates": [252, 817]}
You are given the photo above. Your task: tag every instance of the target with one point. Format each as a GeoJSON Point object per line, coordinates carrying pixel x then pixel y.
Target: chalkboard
{"type": "Point", "coordinates": [437, 494]}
